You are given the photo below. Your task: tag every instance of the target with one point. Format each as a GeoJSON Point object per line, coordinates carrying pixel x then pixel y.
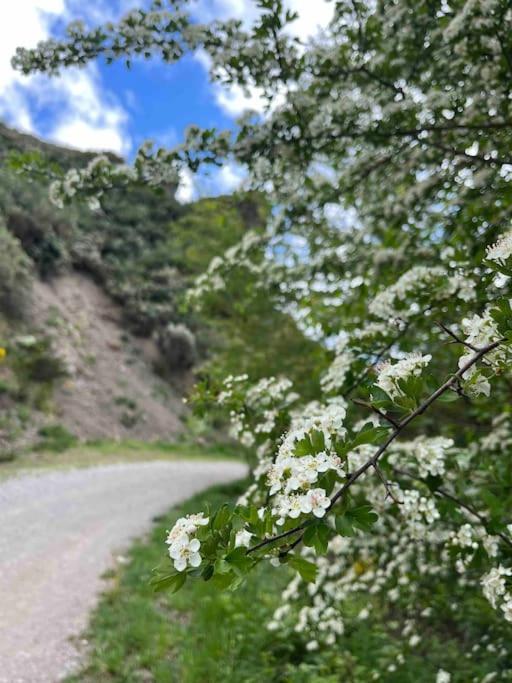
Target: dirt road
{"type": "Point", "coordinates": [58, 533]}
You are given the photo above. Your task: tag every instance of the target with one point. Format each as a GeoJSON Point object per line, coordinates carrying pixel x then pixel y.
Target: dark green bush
{"type": "Point", "coordinates": [177, 346]}
{"type": "Point", "coordinates": [15, 276]}
{"type": "Point", "coordinates": [55, 438]}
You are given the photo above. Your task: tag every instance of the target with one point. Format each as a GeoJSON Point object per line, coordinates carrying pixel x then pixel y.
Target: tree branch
{"type": "Point", "coordinates": [376, 410]}
{"type": "Point", "coordinates": [372, 462]}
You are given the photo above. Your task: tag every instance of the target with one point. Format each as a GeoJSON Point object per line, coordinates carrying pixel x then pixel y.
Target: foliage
{"type": "Point", "coordinates": [15, 275]}
{"type": "Point", "coordinates": [177, 345]}
{"type": "Point", "coordinates": [384, 152]}
{"type": "Point", "coordinates": [198, 635]}
{"type": "Point", "coordinates": [33, 360]}
{"type": "Point", "coordinates": [55, 438]}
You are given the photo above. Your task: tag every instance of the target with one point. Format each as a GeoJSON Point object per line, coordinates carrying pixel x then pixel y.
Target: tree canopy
{"type": "Point", "coordinates": [383, 150]}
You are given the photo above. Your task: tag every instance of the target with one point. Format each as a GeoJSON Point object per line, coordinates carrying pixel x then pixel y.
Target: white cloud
{"type": "Point", "coordinates": [234, 101]}
{"type": "Point", "coordinates": [313, 16]}
{"type": "Point", "coordinates": [91, 119]}
{"type": "Point", "coordinates": [187, 189]}
{"type": "Point", "coordinates": [224, 180]}
{"type": "Point", "coordinates": [229, 178]}
{"type": "Point", "coordinates": [86, 116]}
{"type": "Point", "coordinates": [25, 21]}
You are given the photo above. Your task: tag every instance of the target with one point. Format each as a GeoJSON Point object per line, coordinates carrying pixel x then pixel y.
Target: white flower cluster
{"type": "Point", "coordinates": [99, 175]}
{"type": "Point", "coordinates": [183, 547]}
{"type": "Point", "coordinates": [229, 385]}
{"type": "Point", "coordinates": [418, 511]}
{"type": "Point", "coordinates": [363, 565]}
{"type": "Point", "coordinates": [311, 501]}
{"type": "Point", "coordinates": [243, 539]}
{"type": "Point", "coordinates": [138, 32]}
{"type": "Point", "coordinates": [262, 404]}
{"type": "Point", "coordinates": [480, 330]}
{"type": "Point", "coordinates": [270, 390]}
{"type": "Point", "coordinates": [419, 280]}
{"type": "Point", "coordinates": [468, 539]}
{"type": "Point", "coordinates": [494, 586]}
{"type": "Point", "coordinates": [102, 174]}
{"type": "Point", "coordinates": [335, 376]}
{"type": "Point", "coordinates": [293, 476]}
{"type": "Point", "coordinates": [390, 374]}
{"type": "Point", "coordinates": [499, 438]}
{"type": "Point", "coordinates": [429, 454]}
{"type": "Point", "coordinates": [501, 250]}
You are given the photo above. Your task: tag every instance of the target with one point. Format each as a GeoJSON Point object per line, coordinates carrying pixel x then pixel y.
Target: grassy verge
{"type": "Point", "coordinates": [203, 636]}
{"type": "Point", "coordinates": [196, 636]}
{"type": "Point", "coordinates": [111, 452]}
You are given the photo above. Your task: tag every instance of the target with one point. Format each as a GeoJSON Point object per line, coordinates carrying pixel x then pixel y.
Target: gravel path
{"type": "Point", "coordinates": [57, 534]}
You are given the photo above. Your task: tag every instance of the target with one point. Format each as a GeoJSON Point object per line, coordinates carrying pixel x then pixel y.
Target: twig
{"type": "Point", "coordinates": [455, 337]}
{"type": "Point", "coordinates": [389, 492]}
{"type": "Point", "coordinates": [485, 362]}
{"type": "Point", "coordinates": [384, 416]}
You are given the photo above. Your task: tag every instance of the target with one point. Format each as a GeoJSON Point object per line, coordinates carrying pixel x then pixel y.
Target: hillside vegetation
{"type": "Point", "coordinates": [92, 304]}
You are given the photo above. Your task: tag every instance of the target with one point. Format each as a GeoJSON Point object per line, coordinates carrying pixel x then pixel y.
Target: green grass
{"type": "Point", "coordinates": [195, 636]}
{"type": "Point", "coordinates": [104, 452]}
{"type": "Point", "coordinates": [203, 636]}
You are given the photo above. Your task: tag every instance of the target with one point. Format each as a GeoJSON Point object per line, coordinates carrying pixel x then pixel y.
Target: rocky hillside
{"type": "Point", "coordinates": [110, 388]}
{"type": "Point", "coordinates": [91, 304]}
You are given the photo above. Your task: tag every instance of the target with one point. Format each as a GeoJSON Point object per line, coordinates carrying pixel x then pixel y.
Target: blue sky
{"type": "Point", "coordinates": [110, 108]}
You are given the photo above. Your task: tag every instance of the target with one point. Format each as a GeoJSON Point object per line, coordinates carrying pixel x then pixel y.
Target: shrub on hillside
{"type": "Point", "coordinates": [55, 438]}
{"type": "Point", "coordinates": [177, 346]}
{"type": "Point", "coordinates": [15, 275]}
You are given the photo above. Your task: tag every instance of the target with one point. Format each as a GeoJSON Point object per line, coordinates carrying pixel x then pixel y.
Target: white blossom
{"type": "Point", "coordinates": [390, 374]}
{"type": "Point", "coordinates": [501, 250]}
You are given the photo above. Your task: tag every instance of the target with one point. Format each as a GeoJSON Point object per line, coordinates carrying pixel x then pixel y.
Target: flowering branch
{"type": "Point", "coordinates": [362, 376]}
{"type": "Point", "coordinates": [460, 503]}
{"type": "Point", "coordinates": [372, 462]}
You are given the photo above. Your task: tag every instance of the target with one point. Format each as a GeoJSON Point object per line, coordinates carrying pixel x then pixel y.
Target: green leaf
{"type": "Point", "coordinates": [239, 559]}
{"type": "Point", "coordinates": [207, 572]}
{"type": "Point", "coordinates": [317, 536]}
{"type": "Point", "coordinates": [317, 441]}
{"type": "Point", "coordinates": [379, 398]}
{"type": "Point", "coordinates": [502, 316]}
{"type": "Point", "coordinates": [223, 581]}
{"type": "Point", "coordinates": [303, 447]}
{"type": "Point", "coordinates": [448, 397]}
{"type": "Point", "coordinates": [344, 526]}
{"type": "Point", "coordinates": [369, 434]}
{"type": "Point", "coordinates": [362, 517]}
{"type": "Point", "coordinates": [171, 582]}
{"type": "Point", "coordinates": [221, 517]}
{"type": "Point", "coordinates": [306, 569]}
{"type": "Point", "coordinates": [433, 482]}
{"type": "Point", "coordinates": [221, 566]}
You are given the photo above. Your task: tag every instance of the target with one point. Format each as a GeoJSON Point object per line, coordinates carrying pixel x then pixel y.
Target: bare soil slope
{"type": "Point", "coordinates": [111, 389]}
